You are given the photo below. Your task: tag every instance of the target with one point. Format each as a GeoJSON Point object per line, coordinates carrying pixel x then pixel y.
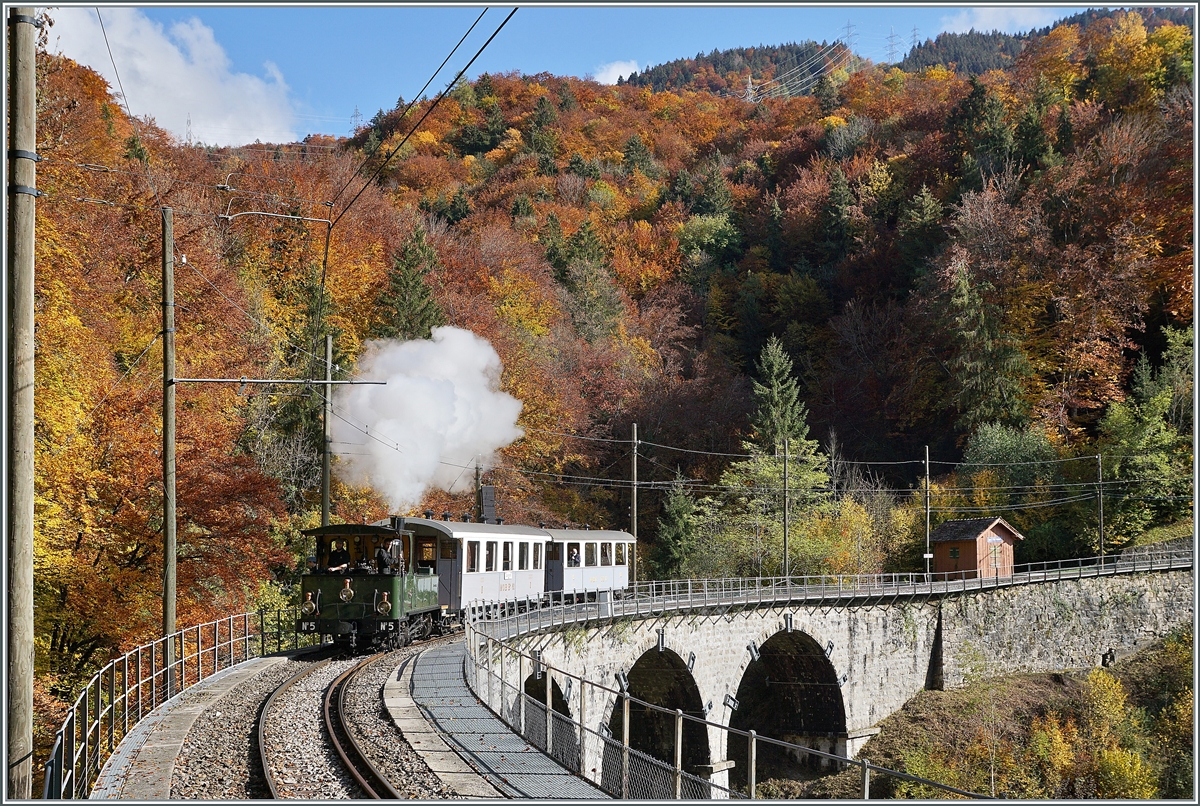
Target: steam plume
{"type": "Point", "coordinates": [441, 409]}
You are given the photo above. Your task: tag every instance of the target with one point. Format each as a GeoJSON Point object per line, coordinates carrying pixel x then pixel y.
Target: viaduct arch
{"type": "Point", "coordinates": [840, 667]}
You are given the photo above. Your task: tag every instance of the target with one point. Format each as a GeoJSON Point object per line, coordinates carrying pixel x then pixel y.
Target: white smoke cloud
{"type": "Point", "coordinates": [440, 409]}
{"type": "Point", "coordinates": [169, 75]}
{"type": "Point", "coordinates": [609, 73]}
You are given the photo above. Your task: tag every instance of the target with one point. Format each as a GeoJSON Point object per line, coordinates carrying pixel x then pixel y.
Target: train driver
{"type": "Point", "coordinates": [339, 558]}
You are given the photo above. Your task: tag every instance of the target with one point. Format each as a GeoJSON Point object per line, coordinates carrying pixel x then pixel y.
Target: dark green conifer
{"type": "Point", "coordinates": [406, 308]}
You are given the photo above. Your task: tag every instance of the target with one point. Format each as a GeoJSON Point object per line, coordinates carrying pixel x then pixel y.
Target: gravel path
{"type": "Point", "coordinates": [378, 736]}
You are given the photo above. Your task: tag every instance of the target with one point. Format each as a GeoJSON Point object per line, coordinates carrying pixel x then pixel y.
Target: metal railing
{"type": "Point", "coordinates": [644, 599]}
{"type": "Point", "coordinates": [620, 770]}
{"type": "Point", "coordinates": [489, 625]}
{"type": "Point", "coordinates": [128, 688]}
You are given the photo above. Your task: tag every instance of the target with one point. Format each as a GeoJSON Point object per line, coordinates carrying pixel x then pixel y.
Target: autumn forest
{"type": "Point", "coordinates": [995, 264]}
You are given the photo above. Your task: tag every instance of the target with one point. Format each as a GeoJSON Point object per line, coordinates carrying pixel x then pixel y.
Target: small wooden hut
{"type": "Point", "coordinates": [974, 547]}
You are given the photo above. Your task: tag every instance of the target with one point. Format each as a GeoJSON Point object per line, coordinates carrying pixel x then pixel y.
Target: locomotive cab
{"type": "Point", "coordinates": [367, 587]}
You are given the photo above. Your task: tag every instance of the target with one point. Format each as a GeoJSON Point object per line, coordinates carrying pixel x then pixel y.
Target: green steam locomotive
{"type": "Point", "coordinates": [370, 587]}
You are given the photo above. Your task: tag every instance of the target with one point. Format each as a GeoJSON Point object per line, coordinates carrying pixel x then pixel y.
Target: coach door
{"type": "Point", "coordinates": [449, 570]}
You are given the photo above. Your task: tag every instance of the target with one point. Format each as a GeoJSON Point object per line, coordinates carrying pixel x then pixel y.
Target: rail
{"type": "Point", "coordinates": [104, 712]}
{"type": "Point", "coordinates": [623, 771]}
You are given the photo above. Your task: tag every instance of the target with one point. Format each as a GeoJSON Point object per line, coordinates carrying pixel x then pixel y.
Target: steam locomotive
{"type": "Point", "coordinates": [385, 584]}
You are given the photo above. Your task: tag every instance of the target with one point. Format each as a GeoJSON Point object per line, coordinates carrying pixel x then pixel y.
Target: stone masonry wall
{"type": "Point", "coordinates": [1063, 625]}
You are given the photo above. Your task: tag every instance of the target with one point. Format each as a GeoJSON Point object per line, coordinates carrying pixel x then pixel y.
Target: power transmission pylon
{"type": "Point", "coordinates": [892, 46]}
{"type": "Point", "coordinates": [915, 38]}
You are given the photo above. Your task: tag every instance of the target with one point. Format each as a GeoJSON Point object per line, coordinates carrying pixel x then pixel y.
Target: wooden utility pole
{"type": "Point", "coordinates": [928, 555]}
{"type": "Point", "coordinates": [22, 180]}
{"type": "Point", "coordinates": [168, 454]}
{"type": "Point", "coordinates": [787, 560]}
{"type": "Point", "coordinates": [633, 507]}
{"type": "Point", "coordinates": [328, 412]}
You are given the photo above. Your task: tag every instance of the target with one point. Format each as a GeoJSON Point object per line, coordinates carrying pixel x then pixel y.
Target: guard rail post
{"type": "Point", "coordinates": [752, 763]}
{"type": "Point", "coordinates": [866, 781]}
{"type": "Point", "coordinates": [503, 679]}
{"type": "Point", "coordinates": [153, 677]}
{"type": "Point", "coordinates": [625, 745]}
{"type": "Point", "coordinates": [521, 692]}
{"type": "Point", "coordinates": [549, 711]}
{"type": "Point", "coordinates": [112, 704]}
{"type": "Point", "coordinates": [125, 691]}
{"type": "Point", "coordinates": [488, 639]}
{"type": "Point", "coordinates": [582, 722]}
{"type": "Point", "coordinates": [678, 754]}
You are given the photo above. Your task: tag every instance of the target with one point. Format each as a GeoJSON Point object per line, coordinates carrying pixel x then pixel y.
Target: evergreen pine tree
{"type": "Point", "coordinates": [544, 113]}
{"type": "Point", "coordinates": [920, 232]}
{"type": "Point", "coordinates": [459, 207]}
{"type": "Point", "coordinates": [780, 412]}
{"type": "Point", "coordinates": [522, 207]}
{"type": "Point", "coordinates": [988, 365]}
{"type": "Point", "coordinates": [483, 87]}
{"type": "Point", "coordinates": [406, 308]}
{"type": "Point", "coordinates": [715, 197]}
{"type": "Point", "coordinates": [585, 245]}
{"type": "Point", "coordinates": [566, 98]}
{"type": "Point", "coordinates": [551, 238]}
{"type": "Point", "coordinates": [676, 532]}
{"type": "Point", "coordinates": [826, 94]}
{"type": "Point", "coordinates": [638, 156]}
{"type": "Point", "coordinates": [835, 224]}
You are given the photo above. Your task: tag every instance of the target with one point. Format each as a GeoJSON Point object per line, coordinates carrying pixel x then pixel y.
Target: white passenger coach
{"type": "Point", "coordinates": [488, 562]}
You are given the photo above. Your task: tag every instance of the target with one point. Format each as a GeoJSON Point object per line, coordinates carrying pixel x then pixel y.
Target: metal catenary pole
{"type": "Point", "coordinates": [927, 553]}
{"type": "Point", "coordinates": [20, 331]}
{"type": "Point", "coordinates": [787, 563]}
{"type": "Point", "coordinates": [168, 319]}
{"type": "Point", "coordinates": [328, 413]}
{"type": "Point", "coordinates": [1100, 501]}
{"type": "Point", "coordinates": [633, 506]}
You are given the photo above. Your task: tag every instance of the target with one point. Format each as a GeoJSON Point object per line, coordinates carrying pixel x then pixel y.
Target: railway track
{"type": "Point", "coordinates": [370, 779]}
{"type": "Point", "coordinates": [317, 741]}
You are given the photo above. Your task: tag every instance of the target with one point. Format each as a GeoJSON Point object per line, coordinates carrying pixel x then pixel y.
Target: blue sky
{"type": "Point", "coordinates": [277, 73]}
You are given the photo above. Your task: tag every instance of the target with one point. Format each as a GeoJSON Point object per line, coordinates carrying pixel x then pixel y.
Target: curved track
{"type": "Point", "coordinates": [372, 781]}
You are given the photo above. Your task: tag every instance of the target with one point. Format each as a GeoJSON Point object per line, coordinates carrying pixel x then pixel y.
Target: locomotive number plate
{"type": "Point", "coordinates": [387, 626]}
{"type": "Point", "coordinates": [306, 626]}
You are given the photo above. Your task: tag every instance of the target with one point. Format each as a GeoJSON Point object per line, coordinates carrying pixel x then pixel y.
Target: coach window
{"type": "Point", "coordinates": [606, 553]}
{"type": "Point", "coordinates": [573, 555]}
{"type": "Point", "coordinates": [472, 556]}
{"type": "Point", "coordinates": [620, 553]}
{"type": "Point", "coordinates": [589, 554]}
{"type": "Point", "coordinates": [448, 548]}
{"type": "Point", "coordinates": [489, 557]}
{"type": "Point", "coordinates": [537, 556]}
{"type": "Point", "coordinates": [508, 558]}
{"type": "Point", "coordinates": [523, 557]}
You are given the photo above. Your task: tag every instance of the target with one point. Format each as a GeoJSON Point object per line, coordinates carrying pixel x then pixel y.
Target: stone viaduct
{"type": "Point", "coordinates": [824, 674]}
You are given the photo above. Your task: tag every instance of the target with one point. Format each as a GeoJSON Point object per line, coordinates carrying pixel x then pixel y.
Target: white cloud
{"type": "Point", "coordinates": [169, 75]}
{"type": "Point", "coordinates": [609, 73]}
{"type": "Point", "coordinates": [1008, 20]}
